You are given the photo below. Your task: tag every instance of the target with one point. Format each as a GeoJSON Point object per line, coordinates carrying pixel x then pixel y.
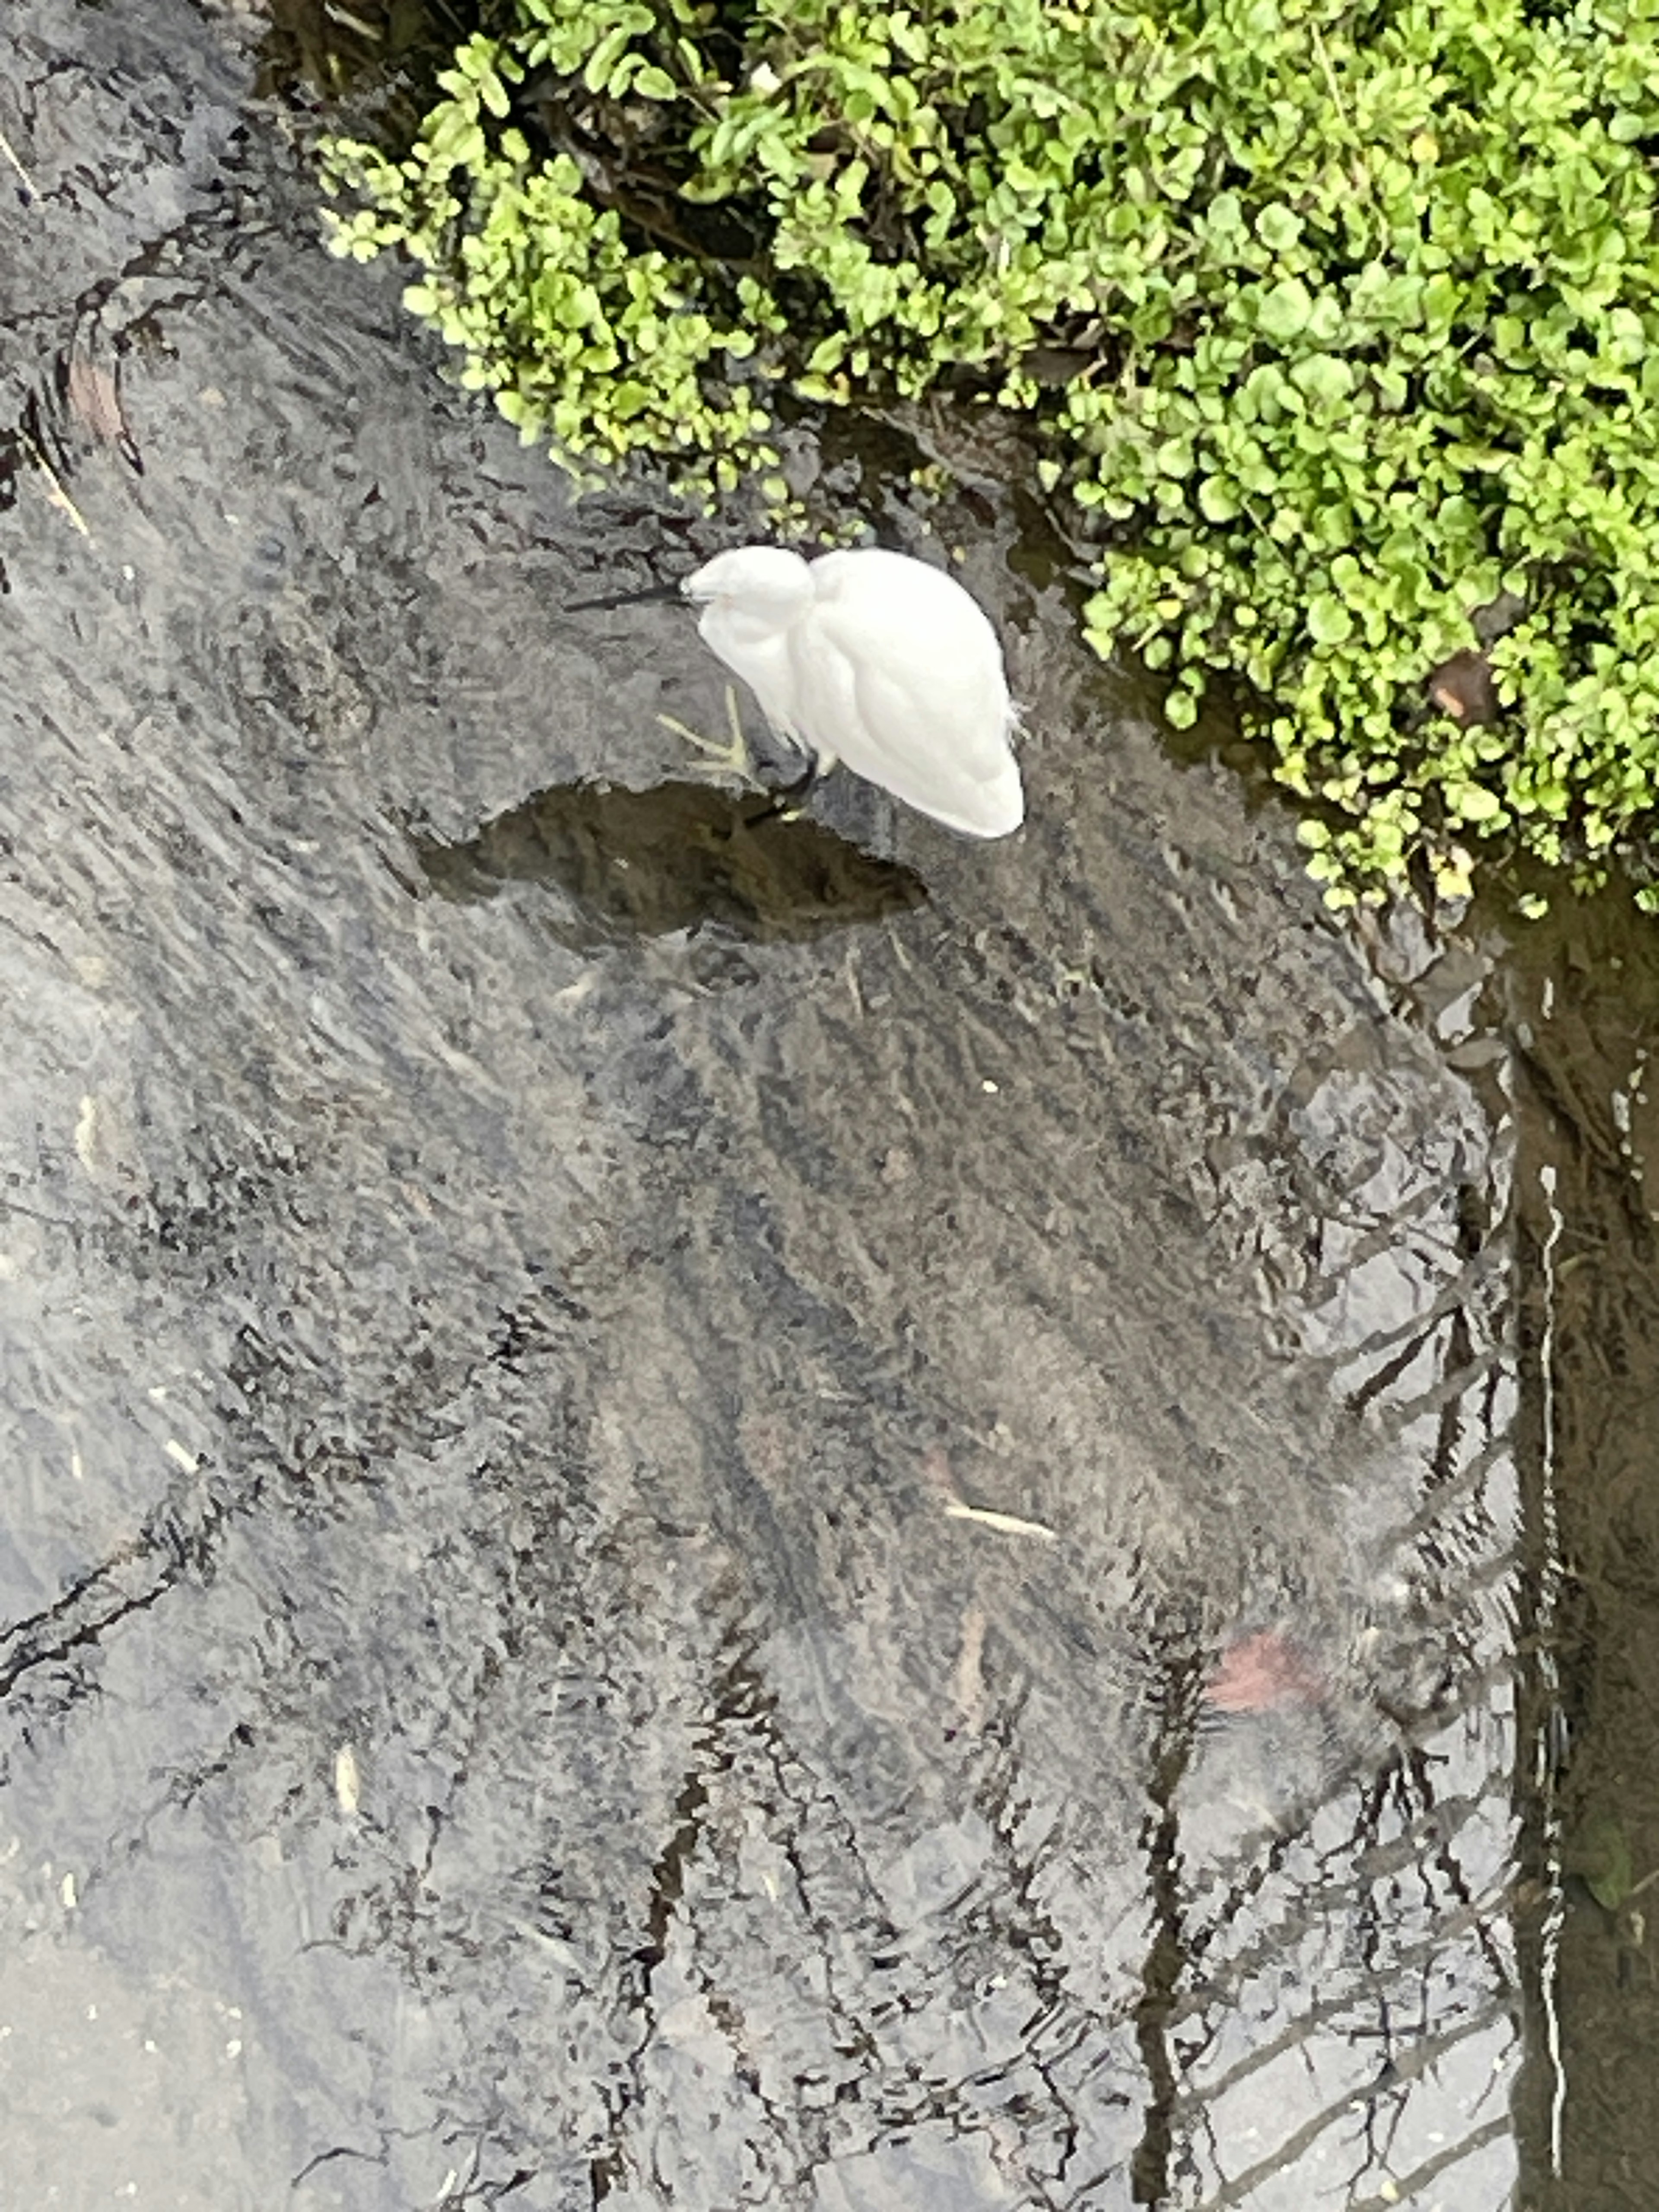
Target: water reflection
{"type": "Point", "coordinates": [1582, 1008]}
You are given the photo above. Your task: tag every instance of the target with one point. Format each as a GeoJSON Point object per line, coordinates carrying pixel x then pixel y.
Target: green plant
{"type": "Point", "coordinates": [1335, 323]}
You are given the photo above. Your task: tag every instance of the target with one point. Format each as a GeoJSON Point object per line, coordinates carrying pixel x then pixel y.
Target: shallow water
{"type": "Point", "coordinates": [513, 1271]}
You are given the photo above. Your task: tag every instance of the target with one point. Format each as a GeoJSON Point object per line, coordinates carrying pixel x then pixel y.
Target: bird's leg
{"type": "Point", "coordinates": [787, 799]}
{"type": "Point", "coordinates": [737, 758]}
{"type": "Point", "coordinates": [732, 758]}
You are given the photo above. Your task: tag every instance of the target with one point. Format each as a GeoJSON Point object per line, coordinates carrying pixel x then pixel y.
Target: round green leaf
{"type": "Point", "coordinates": [1328, 620]}
{"type": "Point", "coordinates": [1284, 308]}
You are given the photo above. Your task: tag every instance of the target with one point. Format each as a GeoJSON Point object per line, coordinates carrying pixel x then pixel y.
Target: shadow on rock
{"type": "Point", "coordinates": [633, 864]}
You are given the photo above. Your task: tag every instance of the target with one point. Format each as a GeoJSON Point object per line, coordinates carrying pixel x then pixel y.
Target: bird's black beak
{"type": "Point", "coordinates": [625, 599]}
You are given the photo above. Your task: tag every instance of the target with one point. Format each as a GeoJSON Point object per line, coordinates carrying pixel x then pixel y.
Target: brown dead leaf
{"type": "Point", "coordinates": [94, 398]}
{"type": "Point", "coordinates": [1259, 1673]}
{"type": "Point", "coordinates": [1462, 687]}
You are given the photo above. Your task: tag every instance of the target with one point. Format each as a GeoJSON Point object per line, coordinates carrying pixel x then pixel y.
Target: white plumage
{"type": "Point", "coordinates": [878, 661]}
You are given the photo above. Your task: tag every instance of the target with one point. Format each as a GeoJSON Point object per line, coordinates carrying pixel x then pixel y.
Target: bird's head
{"type": "Point", "coordinates": [764, 586]}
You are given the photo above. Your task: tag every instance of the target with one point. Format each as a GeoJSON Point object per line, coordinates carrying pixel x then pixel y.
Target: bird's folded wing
{"type": "Point", "coordinates": [936, 738]}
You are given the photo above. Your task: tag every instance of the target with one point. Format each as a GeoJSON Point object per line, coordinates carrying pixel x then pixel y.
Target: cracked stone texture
{"type": "Point", "coordinates": [501, 1701]}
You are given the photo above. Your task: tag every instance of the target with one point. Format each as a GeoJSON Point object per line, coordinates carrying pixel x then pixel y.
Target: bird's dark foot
{"type": "Point", "coordinates": [787, 799]}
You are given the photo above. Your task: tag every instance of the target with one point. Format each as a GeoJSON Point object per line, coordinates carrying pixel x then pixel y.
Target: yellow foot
{"type": "Point", "coordinates": [732, 758]}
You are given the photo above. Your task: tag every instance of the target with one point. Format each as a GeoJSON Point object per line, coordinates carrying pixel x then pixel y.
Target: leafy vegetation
{"type": "Point", "coordinates": [1336, 325]}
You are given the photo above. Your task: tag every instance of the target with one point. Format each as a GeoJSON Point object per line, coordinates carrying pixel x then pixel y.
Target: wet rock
{"type": "Point", "coordinates": [478, 1602]}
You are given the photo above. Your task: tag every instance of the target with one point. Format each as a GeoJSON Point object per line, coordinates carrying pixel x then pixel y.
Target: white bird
{"type": "Point", "coordinates": [875, 661]}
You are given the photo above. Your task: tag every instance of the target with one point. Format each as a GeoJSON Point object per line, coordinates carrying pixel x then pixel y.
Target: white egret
{"type": "Point", "coordinates": [874, 660]}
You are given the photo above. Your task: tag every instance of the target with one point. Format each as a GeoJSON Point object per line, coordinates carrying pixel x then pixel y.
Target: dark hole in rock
{"type": "Point", "coordinates": [332, 47]}
{"type": "Point", "coordinates": [633, 864]}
